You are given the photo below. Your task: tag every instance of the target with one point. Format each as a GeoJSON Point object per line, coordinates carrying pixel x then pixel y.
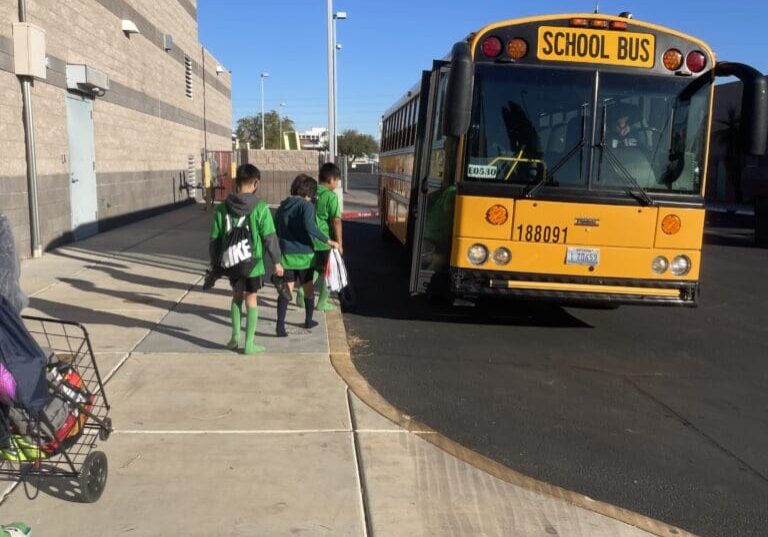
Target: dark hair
{"type": "Point", "coordinates": [329, 171]}
{"type": "Point", "coordinates": [247, 174]}
{"type": "Point", "coordinates": [304, 186]}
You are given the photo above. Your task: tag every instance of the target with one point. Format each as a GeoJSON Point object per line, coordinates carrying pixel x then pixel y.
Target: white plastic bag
{"type": "Point", "coordinates": [336, 273]}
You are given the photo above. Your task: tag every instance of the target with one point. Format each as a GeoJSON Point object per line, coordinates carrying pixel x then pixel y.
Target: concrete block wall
{"type": "Point", "coordinates": [279, 168]}
{"type": "Point", "coordinates": [145, 127]}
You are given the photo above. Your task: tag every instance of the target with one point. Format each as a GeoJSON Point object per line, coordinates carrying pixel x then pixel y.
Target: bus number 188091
{"type": "Point", "coordinates": [551, 234]}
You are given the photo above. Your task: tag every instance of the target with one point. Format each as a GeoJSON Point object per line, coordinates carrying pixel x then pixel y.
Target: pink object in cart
{"type": "Point", "coordinates": [7, 385]}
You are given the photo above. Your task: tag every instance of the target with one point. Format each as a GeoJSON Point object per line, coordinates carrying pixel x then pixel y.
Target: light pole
{"type": "Point", "coordinates": [331, 96]}
{"type": "Point", "coordinates": [263, 130]}
{"type": "Point", "coordinates": [339, 15]}
{"type": "Point", "coordinates": [280, 123]}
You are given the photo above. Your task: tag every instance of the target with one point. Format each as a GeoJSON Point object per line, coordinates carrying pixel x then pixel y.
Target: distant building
{"type": "Point", "coordinates": [724, 188]}
{"type": "Point", "coordinates": [125, 100]}
{"type": "Point", "coordinates": [316, 138]}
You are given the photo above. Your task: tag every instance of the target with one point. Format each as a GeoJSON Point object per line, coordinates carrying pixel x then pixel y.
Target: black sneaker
{"type": "Point", "coordinates": [210, 279]}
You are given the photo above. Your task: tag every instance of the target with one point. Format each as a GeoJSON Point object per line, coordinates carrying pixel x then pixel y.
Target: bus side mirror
{"type": "Point", "coordinates": [457, 107]}
{"type": "Point", "coordinates": [754, 105]}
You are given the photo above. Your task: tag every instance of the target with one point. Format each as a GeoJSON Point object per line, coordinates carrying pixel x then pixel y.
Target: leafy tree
{"type": "Point", "coordinates": [355, 144]}
{"type": "Point", "coordinates": [249, 129]}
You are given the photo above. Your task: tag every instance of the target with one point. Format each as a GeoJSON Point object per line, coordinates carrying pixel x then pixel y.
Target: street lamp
{"type": "Point", "coordinates": [280, 123]}
{"type": "Point", "coordinates": [339, 15]}
{"type": "Point", "coordinates": [331, 98]}
{"type": "Point", "coordinates": [331, 19]}
{"type": "Point", "coordinates": [263, 130]}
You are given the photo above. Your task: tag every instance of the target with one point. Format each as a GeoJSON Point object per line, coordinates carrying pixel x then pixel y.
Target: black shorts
{"type": "Point", "coordinates": [249, 285]}
{"type": "Point", "coordinates": [301, 276]}
{"type": "Point", "coordinates": [321, 260]}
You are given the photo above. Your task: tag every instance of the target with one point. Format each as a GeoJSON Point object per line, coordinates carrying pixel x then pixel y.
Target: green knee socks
{"type": "Point", "coordinates": [250, 328]}
{"type": "Point", "coordinates": [250, 332]}
{"type": "Point", "coordinates": [235, 313]}
{"type": "Point", "coordinates": [322, 299]}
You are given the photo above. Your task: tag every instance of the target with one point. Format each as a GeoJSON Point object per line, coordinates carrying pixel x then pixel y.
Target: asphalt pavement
{"type": "Point", "coordinates": [663, 411]}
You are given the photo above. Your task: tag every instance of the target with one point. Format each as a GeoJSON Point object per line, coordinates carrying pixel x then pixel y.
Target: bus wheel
{"type": "Point", "coordinates": [386, 233]}
{"type": "Point", "coordinates": [439, 291]}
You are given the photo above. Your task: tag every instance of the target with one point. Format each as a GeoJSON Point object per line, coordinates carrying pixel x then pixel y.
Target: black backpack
{"type": "Point", "coordinates": [237, 257]}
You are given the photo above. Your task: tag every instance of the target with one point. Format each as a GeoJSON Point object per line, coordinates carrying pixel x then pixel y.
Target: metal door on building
{"type": "Point", "coordinates": [82, 167]}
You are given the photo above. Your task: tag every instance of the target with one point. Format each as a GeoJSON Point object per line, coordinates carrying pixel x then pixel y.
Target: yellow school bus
{"type": "Point", "coordinates": [560, 157]}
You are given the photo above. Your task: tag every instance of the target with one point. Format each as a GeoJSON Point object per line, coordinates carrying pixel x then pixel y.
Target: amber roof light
{"type": "Point", "coordinates": [673, 59]}
{"type": "Point", "coordinates": [517, 48]}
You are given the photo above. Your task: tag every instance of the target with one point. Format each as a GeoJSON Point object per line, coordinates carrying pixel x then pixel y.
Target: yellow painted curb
{"type": "Point", "coordinates": [341, 359]}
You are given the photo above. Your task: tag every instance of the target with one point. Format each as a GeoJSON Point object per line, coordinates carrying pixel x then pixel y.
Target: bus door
{"type": "Point", "coordinates": [436, 193]}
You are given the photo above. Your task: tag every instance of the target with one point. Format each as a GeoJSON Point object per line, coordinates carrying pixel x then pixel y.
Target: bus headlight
{"type": "Point", "coordinates": [502, 256]}
{"type": "Point", "coordinates": [477, 254]}
{"type": "Point", "coordinates": [660, 264]}
{"type": "Point", "coordinates": [681, 265]}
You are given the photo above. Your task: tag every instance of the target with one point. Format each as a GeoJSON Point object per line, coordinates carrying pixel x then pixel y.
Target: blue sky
{"type": "Point", "coordinates": [387, 43]}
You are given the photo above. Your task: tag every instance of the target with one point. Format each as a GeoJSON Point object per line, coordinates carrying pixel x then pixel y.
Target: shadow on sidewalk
{"type": "Point", "coordinates": [379, 272]}
{"type": "Point", "coordinates": [94, 317]}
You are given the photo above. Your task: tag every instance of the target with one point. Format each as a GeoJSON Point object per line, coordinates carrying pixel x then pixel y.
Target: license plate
{"type": "Point", "coordinates": [582, 256]}
{"type": "Point", "coordinates": [583, 45]}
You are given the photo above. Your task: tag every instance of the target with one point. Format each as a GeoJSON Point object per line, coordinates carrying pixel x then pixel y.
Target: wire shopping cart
{"type": "Point", "coordinates": [54, 450]}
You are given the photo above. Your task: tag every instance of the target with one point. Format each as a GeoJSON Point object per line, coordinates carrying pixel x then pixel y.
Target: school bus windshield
{"type": "Point", "coordinates": [534, 125]}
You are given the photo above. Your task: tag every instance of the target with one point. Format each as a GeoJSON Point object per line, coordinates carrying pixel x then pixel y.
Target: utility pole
{"type": "Point", "coordinates": [331, 93]}
{"type": "Point", "coordinates": [29, 136]}
{"type": "Point", "coordinates": [339, 15]}
{"type": "Point", "coordinates": [263, 130]}
{"type": "Point", "coordinates": [280, 123]}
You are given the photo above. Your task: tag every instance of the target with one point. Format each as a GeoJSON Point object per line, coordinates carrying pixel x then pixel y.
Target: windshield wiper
{"type": "Point", "coordinates": [636, 191]}
{"type": "Point", "coordinates": [560, 163]}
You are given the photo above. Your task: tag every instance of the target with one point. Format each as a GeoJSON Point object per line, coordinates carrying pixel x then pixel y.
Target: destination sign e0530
{"type": "Point", "coordinates": [582, 45]}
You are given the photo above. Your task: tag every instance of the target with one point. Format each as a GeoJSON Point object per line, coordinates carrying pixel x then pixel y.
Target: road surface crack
{"type": "Point", "coordinates": [686, 422]}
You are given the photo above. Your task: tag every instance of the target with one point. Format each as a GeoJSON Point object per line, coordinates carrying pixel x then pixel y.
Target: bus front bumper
{"type": "Point", "coordinates": [567, 289]}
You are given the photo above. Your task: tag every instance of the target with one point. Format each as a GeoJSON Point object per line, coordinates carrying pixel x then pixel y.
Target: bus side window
{"type": "Point", "coordinates": [437, 151]}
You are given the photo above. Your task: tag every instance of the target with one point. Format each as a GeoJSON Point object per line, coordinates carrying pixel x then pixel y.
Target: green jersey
{"type": "Point", "coordinates": [298, 261]}
{"type": "Point", "coordinates": [326, 209]}
{"type": "Point", "coordinates": [262, 225]}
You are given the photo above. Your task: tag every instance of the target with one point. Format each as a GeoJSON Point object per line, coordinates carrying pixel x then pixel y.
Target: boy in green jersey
{"type": "Point", "coordinates": [245, 203]}
{"type": "Point", "coordinates": [328, 213]}
{"type": "Point", "coordinates": [297, 229]}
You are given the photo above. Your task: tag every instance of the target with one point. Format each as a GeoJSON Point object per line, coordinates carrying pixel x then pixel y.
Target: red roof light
{"type": "Point", "coordinates": [492, 46]}
{"type": "Point", "coordinates": [696, 61]}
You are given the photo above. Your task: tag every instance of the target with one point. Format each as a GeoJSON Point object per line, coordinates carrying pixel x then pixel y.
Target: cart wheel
{"type": "Point", "coordinates": [93, 476]}
{"type": "Point", "coordinates": [106, 430]}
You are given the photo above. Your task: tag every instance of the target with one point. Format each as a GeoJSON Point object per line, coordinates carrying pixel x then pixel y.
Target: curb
{"type": "Point", "coordinates": [360, 214]}
{"type": "Point", "coordinates": [341, 359]}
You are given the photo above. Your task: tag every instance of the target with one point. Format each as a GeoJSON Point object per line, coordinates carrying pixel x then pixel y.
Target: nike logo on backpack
{"type": "Point", "coordinates": [237, 253]}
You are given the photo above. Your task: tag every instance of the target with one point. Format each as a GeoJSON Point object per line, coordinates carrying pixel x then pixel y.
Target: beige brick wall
{"type": "Point", "coordinates": [279, 168]}
{"type": "Point", "coordinates": [218, 105]}
{"type": "Point", "coordinates": [145, 128]}
{"type": "Point", "coordinates": [13, 183]}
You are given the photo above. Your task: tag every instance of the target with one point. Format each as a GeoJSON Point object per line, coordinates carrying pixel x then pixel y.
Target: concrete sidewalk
{"type": "Point", "coordinates": [210, 442]}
